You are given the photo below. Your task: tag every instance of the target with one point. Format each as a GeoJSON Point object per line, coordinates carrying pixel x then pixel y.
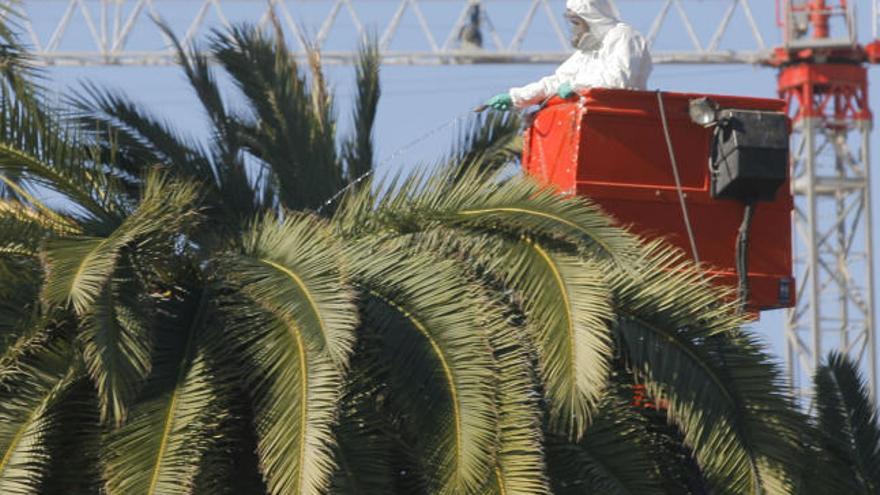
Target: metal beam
{"type": "Point", "coordinates": [505, 26]}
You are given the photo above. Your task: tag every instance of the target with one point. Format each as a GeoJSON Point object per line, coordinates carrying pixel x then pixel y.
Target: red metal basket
{"type": "Point", "coordinates": [610, 147]}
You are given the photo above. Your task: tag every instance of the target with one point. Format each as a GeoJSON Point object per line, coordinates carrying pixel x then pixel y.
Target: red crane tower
{"type": "Point", "coordinates": [823, 77]}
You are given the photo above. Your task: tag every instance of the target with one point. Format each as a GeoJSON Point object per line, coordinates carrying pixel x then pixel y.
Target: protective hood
{"type": "Point", "coordinates": [599, 14]}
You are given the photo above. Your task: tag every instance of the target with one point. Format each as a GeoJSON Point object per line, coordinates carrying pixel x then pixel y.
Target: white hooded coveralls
{"type": "Point", "coordinates": [622, 61]}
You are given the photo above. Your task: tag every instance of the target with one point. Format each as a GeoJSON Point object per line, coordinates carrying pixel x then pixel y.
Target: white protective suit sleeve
{"type": "Point", "coordinates": [536, 92]}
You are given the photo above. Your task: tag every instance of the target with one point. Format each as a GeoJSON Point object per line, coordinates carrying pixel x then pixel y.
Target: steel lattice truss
{"type": "Point", "coordinates": [833, 263]}
{"type": "Point", "coordinates": [505, 25]}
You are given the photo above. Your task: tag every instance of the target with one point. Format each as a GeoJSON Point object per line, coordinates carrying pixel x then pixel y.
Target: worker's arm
{"type": "Point", "coordinates": [537, 92]}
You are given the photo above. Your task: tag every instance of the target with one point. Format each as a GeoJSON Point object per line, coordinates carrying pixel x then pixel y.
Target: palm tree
{"type": "Point", "coordinates": [198, 319]}
{"type": "Point", "coordinates": [844, 436]}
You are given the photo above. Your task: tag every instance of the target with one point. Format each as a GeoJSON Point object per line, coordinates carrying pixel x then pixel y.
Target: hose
{"type": "Point", "coordinates": [742, 255]}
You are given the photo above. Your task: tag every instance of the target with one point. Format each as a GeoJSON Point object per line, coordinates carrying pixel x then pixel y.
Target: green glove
{"type": "Point", "coordinates": [501, 101]}
{"type": "Point", "coordinates": [565, 91]}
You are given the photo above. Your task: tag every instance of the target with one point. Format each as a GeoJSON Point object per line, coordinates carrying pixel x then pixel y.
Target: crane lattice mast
{"type": "Point", "coordinates": [823, 77]}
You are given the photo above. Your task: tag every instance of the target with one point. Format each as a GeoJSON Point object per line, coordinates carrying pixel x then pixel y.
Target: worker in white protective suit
{"type": "Point", "coordinates": [610, 54]}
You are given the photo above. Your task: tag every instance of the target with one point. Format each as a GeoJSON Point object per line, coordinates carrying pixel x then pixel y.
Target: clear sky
{"type": "Point", "coordinates": [417, 100]}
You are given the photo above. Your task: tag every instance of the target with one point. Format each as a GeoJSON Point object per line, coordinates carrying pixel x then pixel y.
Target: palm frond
{"type": "Point", "coordinates": [135, 140]}
{"type": "Point", "coordinates": [29, 386]}
{"type": "Point", "coordinates": [231, 465]}
{"type": "Point", "coordinates": [357, 151]}
{"type": "Point", "coordinates": [488, 142]}
{"type": "Point", "coordinates": [138, 139]}
{"type": "Point", "coordinates": [436, 343]}
{"type": "Point", "coordinates": [79, 267]}
{"type": "Point", "coordinates": [17, 67]}
{"type": "Point", "coordinates": [295, 392]}
{"type": "Point", "coordinates": [322, 100]}
{"type": "Point", "coordinates": [723, 392]}
{"type": "Point", "coordinates": [18, 214]}
{"type": "Point", "coordinates": [480, 201]}
{"type": "Point", "coordinates": [116, 346]}
{"type": "Point", "coordinates": [20, 311]}
{"type": "Point", "coordinates": [520, 461]}
{"type": "Point", "coordinates": [291, 270]}
{"type": "Point", "coordinates": [364, 437]}
{"type": "Point", "coordinates": [198, 71]}
{"type": "Point", "coordinates": [74, 443]}
{"type": "Point", "coordinates": [564, 304]}
{"type": "Point", "coordinates": [568, 310]}
{"type": "Point", "coordinates": [160, 447]}
{"type": "Point", "coordinates": [26, 209]}
{"type": "Point", "coordinates": [614, 456]}
{"type": "Point", "coordinates": [24, 228]}
{"type": "Point", "coordinates": [237, 194]}
{"type": "Point", "coordinates": [849, 425]}
{"type": "Point", "coordinates": [291, 138]}
{"type": "Point", "coordinates": [292, 324]}
{"type": "Point", "coordinates": [38, 151]}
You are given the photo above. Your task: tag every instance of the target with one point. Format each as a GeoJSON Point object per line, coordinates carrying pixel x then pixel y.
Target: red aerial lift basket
{"type": "Point", "coordinates": [610, 147]}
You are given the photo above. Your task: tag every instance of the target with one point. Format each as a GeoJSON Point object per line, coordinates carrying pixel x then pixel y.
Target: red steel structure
{"type": "Point", "coordinates": [823, 77]}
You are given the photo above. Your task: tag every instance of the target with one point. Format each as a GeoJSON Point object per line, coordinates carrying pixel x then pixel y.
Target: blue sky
{"type": "Point", "coordinates": [417, 100]}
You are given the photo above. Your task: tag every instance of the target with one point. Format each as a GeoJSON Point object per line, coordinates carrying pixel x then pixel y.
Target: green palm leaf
{"type": "Point", "coordinates": [519, 465]}
{"type": "Point", "coordinates": [482, 202]}
{"type": "Point", "coordinates": [38, 150]}
{"type": "Point", "coordinates": [16, 64]}
{"type": "Point", "coordinates": [74, 443]}
{"type": "Point", "coordinates": [723, 391]}
{"type": "Point", "coordinates": [434, 336]}
{"type": "Point", "coordinates": [24, 225]}
{"type": "Point", "coordinates": [295, 391]}
{"type": "Point", "coordinates": [20, 313]}
{"type": "Point", "coordinates": [614, 457]}
{"type": "Point", "coordinates": [30, 384]}
{"type": "Point", "coordinates": [78, 268]}
{"type": "Point", "coordinates": [357, 151]}
{"type": "Point", "coordinates": [567, 306]}
{"type": "Point", "coordinates": [364, 435]}
{"type": "Point", "coordinates": [291, 269]}
{"type": "Point", "coordinates": [292, 328]}
{"type": "Point", "coordinates": [116, 346]}
{"type": "Point", "coordinates": [850, 433]}
{"type": "Point", "coordinates": [238, 196]}
{"type": "Point", "coordinates": [564, 298]}
{"type": "Point", "coordinates": [22, 229]}
{"type": "Point", "coordinates": [293, 134]}
{"type": "Point", "coordinates": [231, 466]}
{"type": "Point", "coordinates": [125, 128]}
{"type": "Point", "coordinates": [160, 447]}
{"type": "Point", "coordinates": [489, 141]}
